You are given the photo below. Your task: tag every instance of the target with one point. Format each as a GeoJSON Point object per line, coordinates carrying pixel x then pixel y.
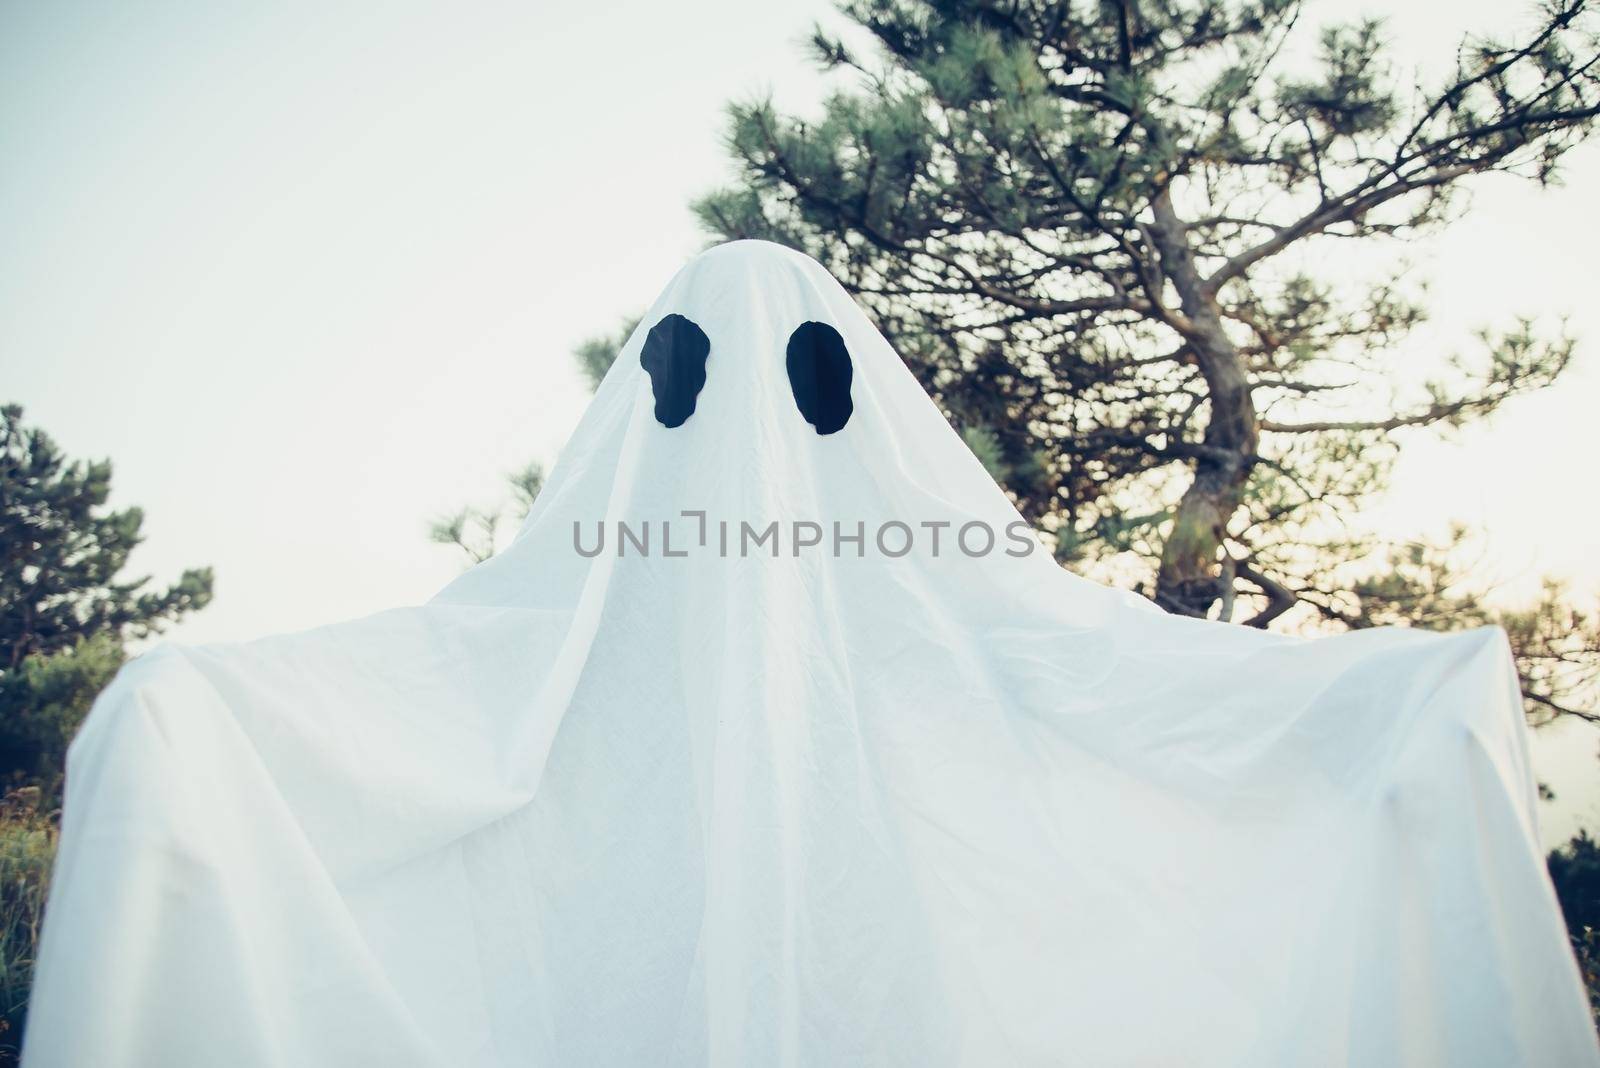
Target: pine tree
{"type": "Point", "coordinates": [1072, 219]}
{"type": "Point", "coordinates": [1093, 231]}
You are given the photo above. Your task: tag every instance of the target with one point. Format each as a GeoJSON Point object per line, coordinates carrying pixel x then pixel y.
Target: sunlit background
{"type": "Point", "coordinates": [311, 275]}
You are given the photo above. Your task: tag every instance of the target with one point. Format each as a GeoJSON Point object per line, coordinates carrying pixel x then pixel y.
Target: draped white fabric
{"type": "Point", "coordinates": [820, 808]}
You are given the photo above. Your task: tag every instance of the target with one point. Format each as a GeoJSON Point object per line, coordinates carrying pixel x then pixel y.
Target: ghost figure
{"type": "Point", "coordinates": [846, 777]}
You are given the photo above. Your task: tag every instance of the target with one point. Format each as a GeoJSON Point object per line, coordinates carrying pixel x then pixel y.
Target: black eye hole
{"type": "Point", "coordinates": [819, 374]}
{"type": "Point", "coordinates": [675, 354]}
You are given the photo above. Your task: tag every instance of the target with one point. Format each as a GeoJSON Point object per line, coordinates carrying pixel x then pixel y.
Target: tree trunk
{"type": "Point", "coordinates": [1191, 578]}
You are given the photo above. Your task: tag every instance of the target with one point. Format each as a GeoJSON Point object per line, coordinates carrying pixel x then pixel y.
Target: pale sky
{"type": "Point", "coordinates": [311, 274]}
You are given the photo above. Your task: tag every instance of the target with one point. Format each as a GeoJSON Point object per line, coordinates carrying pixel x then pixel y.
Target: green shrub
{"type": "Point", "coordinates": [1575, 870]}
{"type": "Point", "coordinates": [42, 702]}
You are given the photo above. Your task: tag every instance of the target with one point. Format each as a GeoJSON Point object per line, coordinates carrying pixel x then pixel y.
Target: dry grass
{"type": "Point", "coordinates": [27, 849]}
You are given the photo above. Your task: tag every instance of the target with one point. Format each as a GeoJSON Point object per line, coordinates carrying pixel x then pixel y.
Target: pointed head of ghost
{"type": "Point", "coordinates": [754, 384]}
{"type": "Point", "coordinates": [756, 392]}
{"type": "Point", "coordinates": [755, 298]}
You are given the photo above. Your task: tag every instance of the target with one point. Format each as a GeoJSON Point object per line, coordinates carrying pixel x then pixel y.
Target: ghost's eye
{"type": "Point", "coordinates": [675, 354]}
{"type": "Point", "coordinates": [819, 374]}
